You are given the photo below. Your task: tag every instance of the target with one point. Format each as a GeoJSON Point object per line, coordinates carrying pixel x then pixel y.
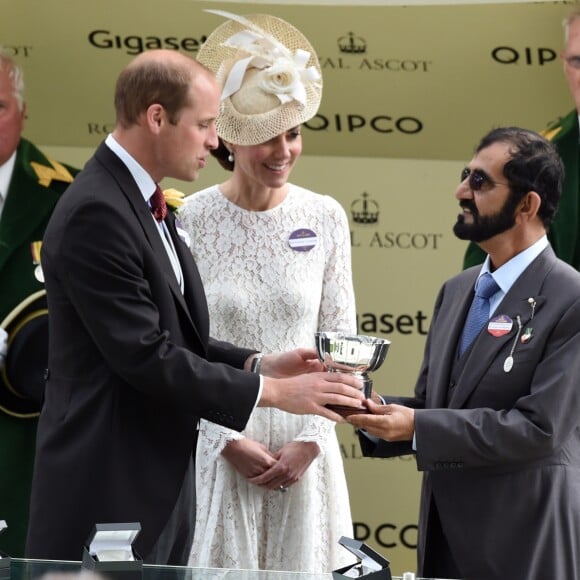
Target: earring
{"type": "Point", "coordinates": [231, 157]}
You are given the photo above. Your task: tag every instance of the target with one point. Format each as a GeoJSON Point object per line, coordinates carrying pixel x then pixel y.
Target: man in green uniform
{"type": "Point", "coordinates": [564, 234]}
{"type": "Point", "coordinates": [30, 185]}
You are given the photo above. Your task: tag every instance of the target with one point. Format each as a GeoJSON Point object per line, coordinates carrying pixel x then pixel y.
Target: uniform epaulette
{"type": "Point", "coordinates": [46, 174]}
{"type": "Point", "coordinates": [550, 132]}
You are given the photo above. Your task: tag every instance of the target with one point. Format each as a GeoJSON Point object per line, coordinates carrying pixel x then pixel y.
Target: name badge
{"type": "Point", "coordinates": [500, 325]}
{"type": "Point", "coordinates": [302, 240]}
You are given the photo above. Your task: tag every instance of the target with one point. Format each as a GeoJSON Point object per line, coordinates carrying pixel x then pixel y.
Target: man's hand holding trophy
{"type": "Point", "coordinates": [356, 354]}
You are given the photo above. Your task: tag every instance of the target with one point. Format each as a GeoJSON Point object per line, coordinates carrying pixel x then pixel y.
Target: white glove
{"type": "Point", "coordinates": [3, 346]}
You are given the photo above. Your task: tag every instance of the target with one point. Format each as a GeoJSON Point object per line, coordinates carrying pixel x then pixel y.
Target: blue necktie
{"type": "Point", "coordinates": [478, 314]}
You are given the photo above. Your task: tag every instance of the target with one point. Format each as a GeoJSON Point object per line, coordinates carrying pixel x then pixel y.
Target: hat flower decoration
{"type": "Point", "coordinates": [269, 74]}
{"type": "Point", "coordinates": [282, 74]}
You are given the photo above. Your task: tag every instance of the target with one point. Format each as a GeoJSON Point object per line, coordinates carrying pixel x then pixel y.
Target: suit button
{"type": "Point", "coordinates": [46, 374]}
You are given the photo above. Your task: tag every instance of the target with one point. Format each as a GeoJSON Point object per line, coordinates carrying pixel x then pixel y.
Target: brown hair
{"type": "Point", "coordinates": [150, 79]}
{"type": "Point", "coordinates": [222, 154]}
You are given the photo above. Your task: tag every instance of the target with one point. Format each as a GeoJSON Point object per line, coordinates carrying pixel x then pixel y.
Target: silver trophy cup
{"type": "Point", "coordinates": [356, 354]}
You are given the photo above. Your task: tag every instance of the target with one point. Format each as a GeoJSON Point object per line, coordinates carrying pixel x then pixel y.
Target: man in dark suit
{"type": "Point", "coordinates": [495, 424]}
{"type": "Point", "coordinates": [131, 363]}
{"type": "Point", "coordinates": [30, 185]}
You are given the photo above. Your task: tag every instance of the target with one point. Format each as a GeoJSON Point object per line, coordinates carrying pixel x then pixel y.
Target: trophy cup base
{"type": "Point", "coordinates": [347, 411]}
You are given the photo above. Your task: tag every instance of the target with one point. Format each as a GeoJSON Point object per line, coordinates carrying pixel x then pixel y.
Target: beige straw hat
{"type": "Point", "coordinates": [269, 75]}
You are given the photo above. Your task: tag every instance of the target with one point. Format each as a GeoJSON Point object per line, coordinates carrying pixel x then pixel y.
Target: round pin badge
{"type": "Point", "coordinates": [302, 240]}
{"type": "Point", "coordinates": [500, 325]}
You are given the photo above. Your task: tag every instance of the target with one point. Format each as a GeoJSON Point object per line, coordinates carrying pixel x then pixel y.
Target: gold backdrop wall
{"type": "Point", "coordinates": [400, 81]}
{"type": "Point", "coordinates": [409, 90]}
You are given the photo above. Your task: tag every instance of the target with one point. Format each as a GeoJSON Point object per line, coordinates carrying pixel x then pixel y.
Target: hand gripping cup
{"type": "Point", "coordinates": [356, 354]}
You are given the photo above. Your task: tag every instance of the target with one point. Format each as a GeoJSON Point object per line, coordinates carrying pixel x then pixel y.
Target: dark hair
{"type": "Point", "coordinates": [150, 81]}
{"type": "Point", "coordinates": [534, 166]}
{"type": "Point", "coordinates": [222, 154]}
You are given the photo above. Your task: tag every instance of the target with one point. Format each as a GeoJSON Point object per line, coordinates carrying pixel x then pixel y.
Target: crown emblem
{"type": "Point", "coordinates": [364, 210]}
{"type": "Point", "coordinates": [352, 44]}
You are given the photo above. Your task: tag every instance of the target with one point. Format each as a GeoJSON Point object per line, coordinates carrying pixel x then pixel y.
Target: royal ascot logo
{"type": "Point", "coordinates": [351, 44]}
{"type": "Point", "coordinates": [352, 55]}
{"type": "Point", "coordinates": [365, 212]}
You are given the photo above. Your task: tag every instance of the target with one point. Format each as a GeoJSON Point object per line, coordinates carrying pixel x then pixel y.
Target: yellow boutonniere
{"type": "Point", "coordinates": [173, 198]}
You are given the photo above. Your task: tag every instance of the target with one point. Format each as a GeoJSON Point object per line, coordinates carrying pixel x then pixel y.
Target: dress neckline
{"type": "Point", "coordinates": [266, 212]}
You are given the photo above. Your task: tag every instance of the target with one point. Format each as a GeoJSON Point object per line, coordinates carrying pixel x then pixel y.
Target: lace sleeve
{"type": "Point", "coordinates": [217, 437]}
{"type": "Point", "coordinates": [337, 305]}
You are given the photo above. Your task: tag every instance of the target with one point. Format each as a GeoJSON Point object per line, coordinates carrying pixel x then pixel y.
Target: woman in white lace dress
{"type": "Point", "coordinates": [276, 266]}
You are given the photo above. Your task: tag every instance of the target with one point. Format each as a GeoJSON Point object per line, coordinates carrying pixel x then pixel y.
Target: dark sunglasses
{"type": "Point", "coordinates": [478, 178]}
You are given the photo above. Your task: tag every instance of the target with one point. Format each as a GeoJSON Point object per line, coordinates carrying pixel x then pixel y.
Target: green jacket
{"type": "Point", "coordinates": [564, 234]}
{"type": "Point", "coordinates": [34, 189]}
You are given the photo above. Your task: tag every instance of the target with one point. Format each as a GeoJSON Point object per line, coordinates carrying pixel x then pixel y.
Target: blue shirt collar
{"type": "Point", "coordinates": [506, 275]}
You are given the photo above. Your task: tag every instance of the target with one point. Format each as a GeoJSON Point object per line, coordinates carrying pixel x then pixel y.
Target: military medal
{"type": "Point", "coordinates": [39, 274]}
{"type": "Point", "coordinates": [35, 251]}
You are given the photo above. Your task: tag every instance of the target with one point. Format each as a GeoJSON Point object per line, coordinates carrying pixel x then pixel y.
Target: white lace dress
{"type": "Point", "coordinates": [269, 289]}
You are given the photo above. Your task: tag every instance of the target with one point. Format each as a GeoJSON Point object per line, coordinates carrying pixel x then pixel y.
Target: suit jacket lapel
{"type": "Point", "coordinates": [193, 308]}
{"type": "Point", "coordinates": [444, 341]}
{"type": "Point", "coordinates": [194, 293]}
{"type": "Point", "coordinates": [516, 304]}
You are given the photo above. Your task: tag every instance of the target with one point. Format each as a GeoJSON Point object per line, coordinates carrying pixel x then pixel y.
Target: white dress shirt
{"type": "Point", "coordinates": [5, 177]}
{"type": "Point", "coordinates": [147, 188]}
